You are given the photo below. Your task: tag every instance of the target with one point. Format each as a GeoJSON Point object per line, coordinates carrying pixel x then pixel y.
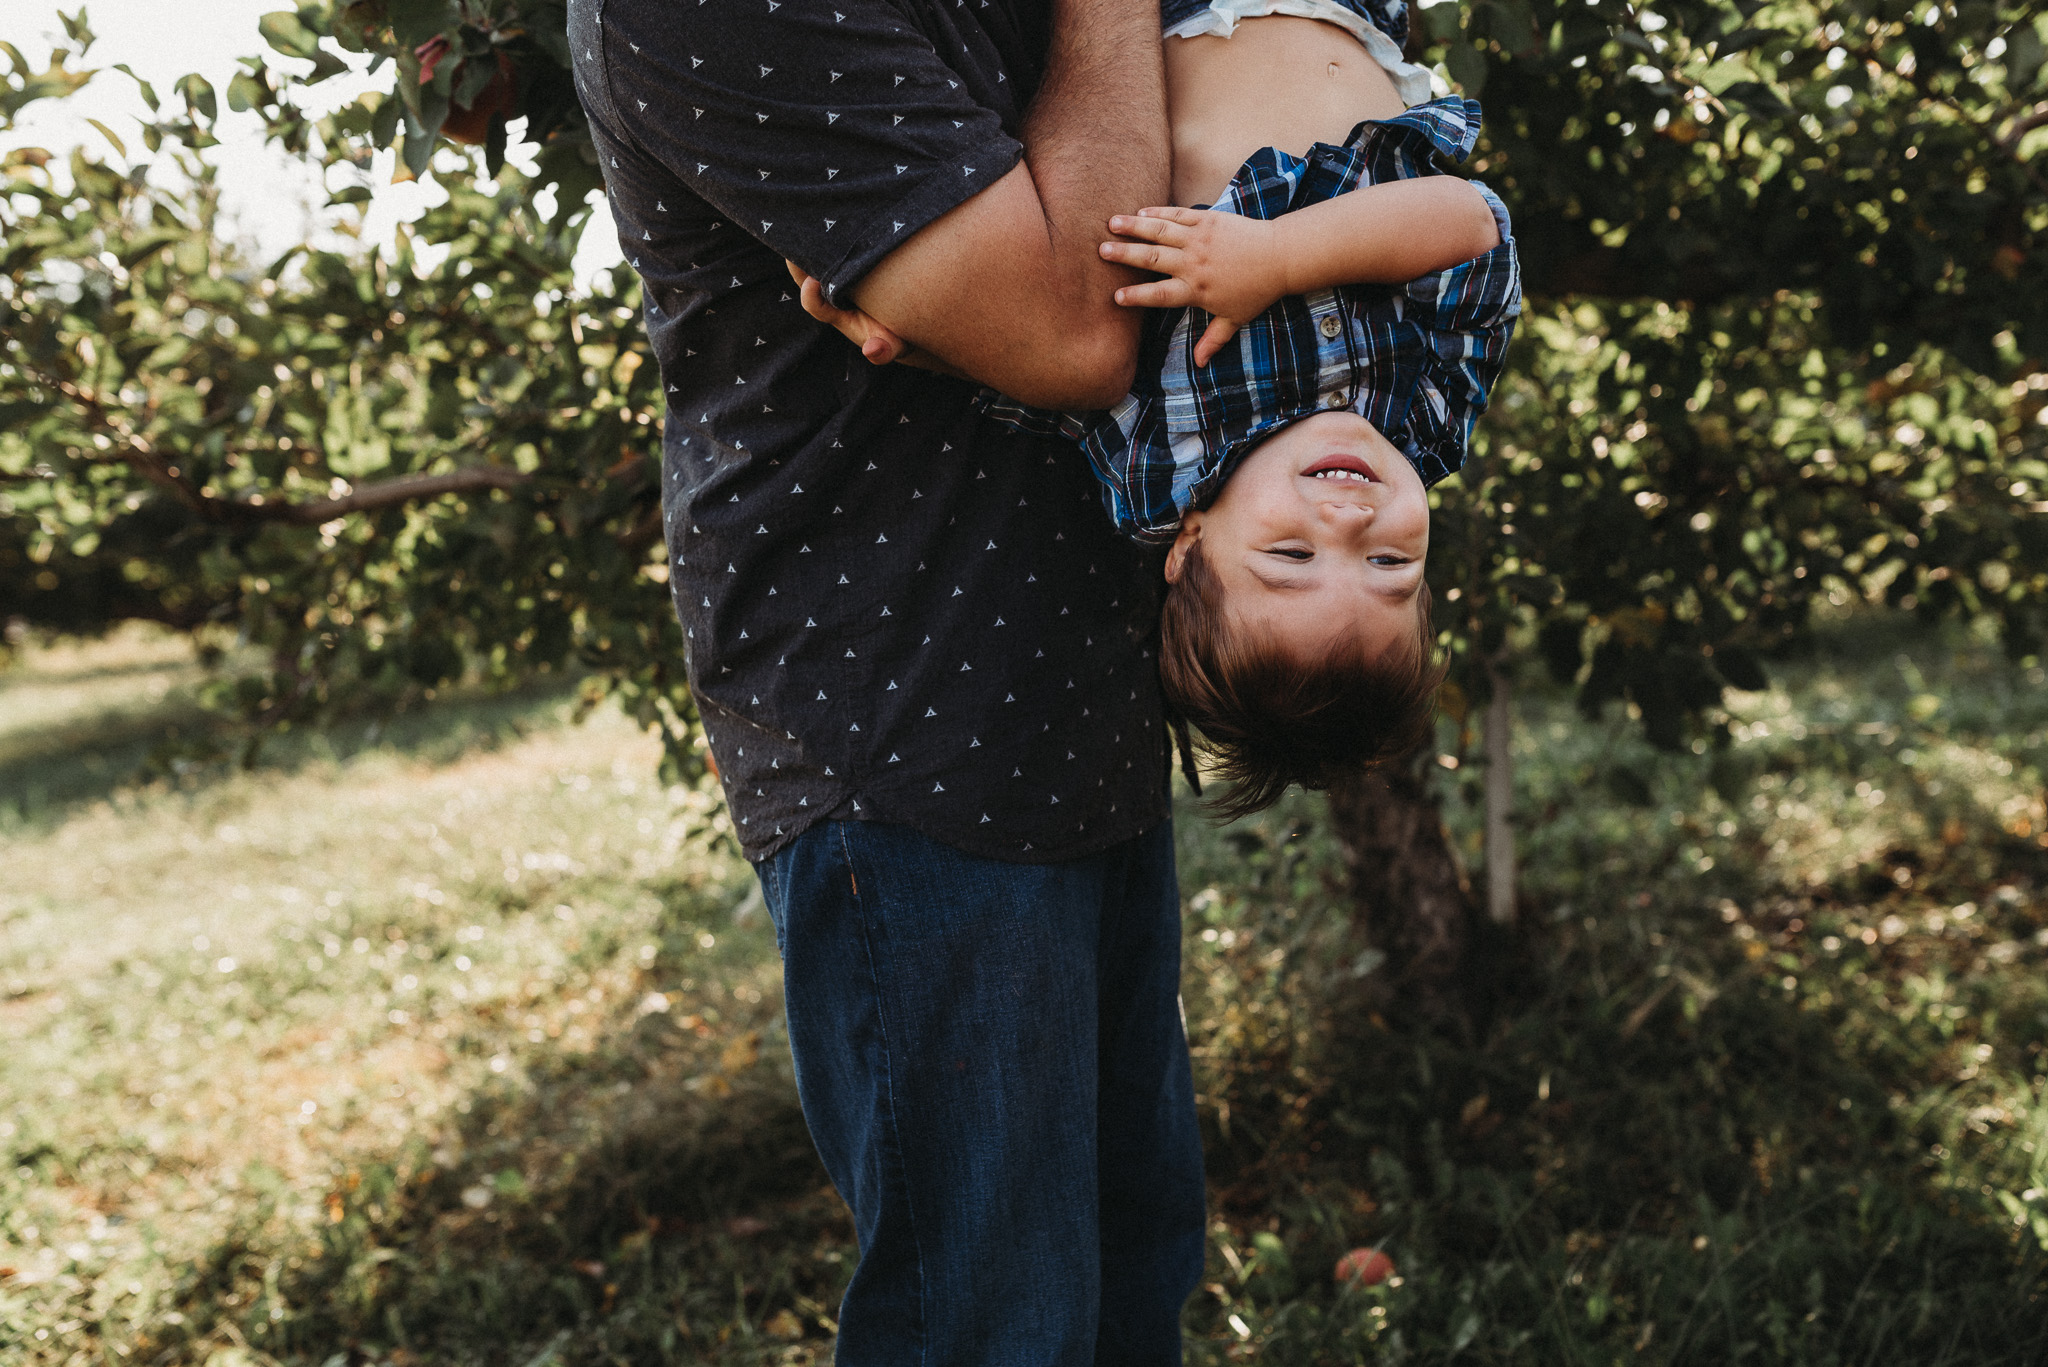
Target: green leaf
{"type": "Point", "coordinates": [1756, 97]}
{"type": "Point", "coordinates": [76, 29]}
{"type": "Point", "coordinates": [110, 136]}
{"type": "Point", "coordinates": [2023, 57]}
{"type": "Point", "coordinates": [418, 152]}
{"type": "Point", "coordinates": [284, 32]}
{"type": "Point", "coordinates": [199, 97]}
{"type": "Point", "coordinates": [1741, 669]}
{"type": "Point", "coordinates": [352, 194]}
{"type": "Point", "coordinates": [384, 123]}
{"type": "Point", "coordinates": [1630, 787]}
{"type": "Point", "coordinates": [476, 73]}
{"type": "Point", "coordinates": [246, 92]}
{"type": "Point", "coordinates": [1559, 643]}
{"type": "Point", "coordinates": [415, 21]}
{"type": "Point", "coordinates": [148, 90]}
{"type": "Point", "coordinates": [1467, 1329]}
{"type": "Point", "coordinates": [1742, 40]}
{"type": "Point", "coordinates": [1468, 69]}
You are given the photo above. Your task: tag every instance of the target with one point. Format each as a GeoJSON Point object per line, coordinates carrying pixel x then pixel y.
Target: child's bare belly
{"type": "Point", "coordinates": [1278, 81]}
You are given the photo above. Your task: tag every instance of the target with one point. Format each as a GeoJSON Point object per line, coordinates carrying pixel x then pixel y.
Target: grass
{"type": "Point", "coordinates": [459, 1042]}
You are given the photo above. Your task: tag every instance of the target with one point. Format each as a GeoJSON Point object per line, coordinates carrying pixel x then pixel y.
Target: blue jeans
{"type": "Point", "coordinates": [991, 1061]}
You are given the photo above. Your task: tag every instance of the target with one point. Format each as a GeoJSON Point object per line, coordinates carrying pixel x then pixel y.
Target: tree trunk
{"type": "Point", "coordinates": [1413, 901]}
{"type": "Point", "coordinates": [1501, 874]}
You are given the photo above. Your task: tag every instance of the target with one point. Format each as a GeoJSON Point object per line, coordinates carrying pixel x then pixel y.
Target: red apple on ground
{"type": "Point", "coordinates": [1364, 1267]}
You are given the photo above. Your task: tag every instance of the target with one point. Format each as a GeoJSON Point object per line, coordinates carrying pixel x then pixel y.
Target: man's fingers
{"type": "Point", "coordinates": [811, 295]}
{"type": "Point", "coordinates": [1214, 337]}
{"type": "Point", "coordinates": [1146, 256]}
{"type": "Point", "coordinates": [1156, 294]}
{"type": "Point", "coordinates": [882, 347]}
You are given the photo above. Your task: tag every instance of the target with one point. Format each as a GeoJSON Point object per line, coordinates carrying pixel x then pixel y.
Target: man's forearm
{"type": "Point", "coordinates": [1095, 142]}
{"type": "Point", "coordinates": [1009, 287]}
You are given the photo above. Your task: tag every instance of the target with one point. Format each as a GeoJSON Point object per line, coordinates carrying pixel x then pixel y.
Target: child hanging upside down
{"type": "Point", "coordinates": [1326, 335]}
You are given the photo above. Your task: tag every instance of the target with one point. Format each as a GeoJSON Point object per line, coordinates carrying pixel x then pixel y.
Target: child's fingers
{"type": "Point", "coordinates": [1185, 217]}
{"type": "Point", "coordinates": [1213, 339]}
{"type": "Point", "coordinates": [1146, 256]}
{"type": "Point", "coordinates": [1149, 227]}
{"type": "Point", "coordinates": [1156, 294]}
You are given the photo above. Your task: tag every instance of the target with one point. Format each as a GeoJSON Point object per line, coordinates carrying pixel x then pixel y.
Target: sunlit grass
{"type": "Point", "coordinates": [224, 999]}
{"type": "Point", "coordinates": [1765, 1076]}
{"type": "Point", "coordinates": [458, 1040]}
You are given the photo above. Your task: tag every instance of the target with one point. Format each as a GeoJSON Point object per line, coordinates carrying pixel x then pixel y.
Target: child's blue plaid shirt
{"type": "Point", "coordinates": [1415, 360]}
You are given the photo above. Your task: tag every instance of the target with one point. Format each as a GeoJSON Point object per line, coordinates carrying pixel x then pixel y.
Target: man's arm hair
{"type": "Point", "coordinates": [1009, 287]}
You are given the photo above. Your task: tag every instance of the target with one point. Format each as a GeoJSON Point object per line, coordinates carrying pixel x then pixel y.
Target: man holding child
{"type": "Point", "coordinates": [923, 658]}
{"type": "Point", "coordinates": [929, 668]}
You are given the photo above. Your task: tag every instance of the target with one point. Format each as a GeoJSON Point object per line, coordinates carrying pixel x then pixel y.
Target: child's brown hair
{"type": "Point", "coordinates": [1269, 719]}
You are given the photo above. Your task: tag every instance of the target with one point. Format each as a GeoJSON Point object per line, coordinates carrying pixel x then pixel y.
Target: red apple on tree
{"type": "Point", "coordinates": [471, 123]}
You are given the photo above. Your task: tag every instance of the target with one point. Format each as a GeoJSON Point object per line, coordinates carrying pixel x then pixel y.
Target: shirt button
{"type": "Point", "coordinates": [1334, 399]}
{"type": "Point", "coordinates": [1331, 326]}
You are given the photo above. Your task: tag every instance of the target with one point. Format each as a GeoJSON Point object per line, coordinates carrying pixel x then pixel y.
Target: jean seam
{"type": "Point", "coordinates": [889, 1093]}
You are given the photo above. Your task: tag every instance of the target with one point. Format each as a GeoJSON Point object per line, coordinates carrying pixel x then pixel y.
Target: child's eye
{"type": "Point", "coordinates": [1387, 562]}
{"type": "Point", "coordinates": [1291, 552]}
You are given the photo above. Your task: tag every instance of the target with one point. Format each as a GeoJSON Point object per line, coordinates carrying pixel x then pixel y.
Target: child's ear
{"type": "Point", "coordinates": [1190, 533]}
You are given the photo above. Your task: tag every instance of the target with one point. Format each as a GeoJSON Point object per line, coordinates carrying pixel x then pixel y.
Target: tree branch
{"type": "Point", "coordinates": [136, 451]}
{"type": "Point", "coordinates": [384, 494]}
{"type": "Point", "coordinates": [2023, 126]}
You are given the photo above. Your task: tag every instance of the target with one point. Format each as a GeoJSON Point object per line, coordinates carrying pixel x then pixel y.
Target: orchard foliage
{"type": "Point", "coordinates": [1785, 337]}
{"type": "Point", "coordinates": [387, 474]}
{"type": "Point", "coordinates": [1784, 345]}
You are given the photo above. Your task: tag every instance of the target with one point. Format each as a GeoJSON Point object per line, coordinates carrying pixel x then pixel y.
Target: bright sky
{"type": "Point", "coordinates": [273, 199]}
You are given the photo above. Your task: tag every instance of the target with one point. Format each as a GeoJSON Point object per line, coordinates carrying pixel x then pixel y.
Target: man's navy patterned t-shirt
{"type": "Point", "coordinates": [896, 608]}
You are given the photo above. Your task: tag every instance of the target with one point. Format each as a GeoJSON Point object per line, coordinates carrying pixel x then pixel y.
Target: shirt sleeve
{"type": "Point", "coordinates": [828, 130]}
{"type": "Point", "coordinates": [1467, 314]}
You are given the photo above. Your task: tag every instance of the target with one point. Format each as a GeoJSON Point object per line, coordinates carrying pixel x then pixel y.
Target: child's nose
{"type": "Point", "coordinates": [1348, 519]}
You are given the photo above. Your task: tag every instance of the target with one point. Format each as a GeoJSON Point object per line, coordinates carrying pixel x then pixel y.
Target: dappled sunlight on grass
{"type": "Point", "coordinates": [296, 985]}
{"type": "Point", "coordinates": [1766, 1077]}
{"type": "Point", "coordinates": [461, 1042]}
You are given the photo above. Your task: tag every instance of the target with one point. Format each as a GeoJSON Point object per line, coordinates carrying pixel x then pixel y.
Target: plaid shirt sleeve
{"type": "Point", "coordinates": [1418, 361]}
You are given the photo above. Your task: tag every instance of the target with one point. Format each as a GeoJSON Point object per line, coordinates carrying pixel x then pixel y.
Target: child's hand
{"type": "Point", "coordinates": [1225, 264]}
{"type": "Point", "coordinates": [876, 342]}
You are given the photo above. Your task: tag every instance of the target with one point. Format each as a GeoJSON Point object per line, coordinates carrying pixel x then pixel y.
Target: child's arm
{"type": "Point", "coordinates": [1234, 267]}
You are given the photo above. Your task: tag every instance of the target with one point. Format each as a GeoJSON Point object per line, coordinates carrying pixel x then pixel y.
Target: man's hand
{"type": "Point", "coordinates": [1230, 266]}
{"type": "Point", "coordinates": [876, 342]}
{"type": "Point", "coordinates": [879, 345]}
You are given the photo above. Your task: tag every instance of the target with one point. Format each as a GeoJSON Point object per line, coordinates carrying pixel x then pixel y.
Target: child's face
{"type": "Point", "coordinates": [1320, 534]}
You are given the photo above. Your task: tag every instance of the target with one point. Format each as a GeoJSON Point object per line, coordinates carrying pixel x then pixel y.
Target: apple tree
{"type": "Point", "coordinates": [1783, 347]}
